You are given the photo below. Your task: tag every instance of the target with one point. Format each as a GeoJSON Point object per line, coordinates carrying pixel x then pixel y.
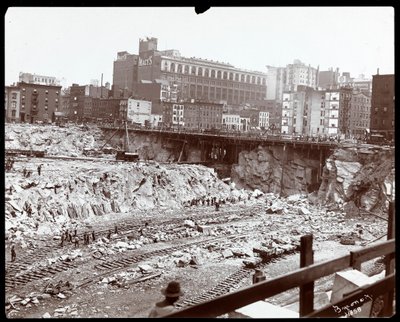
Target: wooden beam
{"type": "Point", "coordinates": [365, 254]}
{"type": "Point", "coordinates": [306, 290]}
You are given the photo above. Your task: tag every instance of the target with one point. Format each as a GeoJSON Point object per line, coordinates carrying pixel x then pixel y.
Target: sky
{"type": "Point", "coordinates": [77, 45]}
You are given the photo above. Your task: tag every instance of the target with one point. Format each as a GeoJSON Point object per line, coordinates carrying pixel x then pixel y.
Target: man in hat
{"type": "Point", "coordinates": [172, 293]}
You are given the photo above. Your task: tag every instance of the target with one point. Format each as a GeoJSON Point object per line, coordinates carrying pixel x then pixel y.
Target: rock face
{"type": "Point", "coordinates": [262, 169]}
{"type": "Point", "coordinates": [362, 176]}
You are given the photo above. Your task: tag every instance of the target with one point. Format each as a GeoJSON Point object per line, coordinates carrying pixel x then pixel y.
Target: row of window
{"type": "Point", "coordinates": [186, 69]}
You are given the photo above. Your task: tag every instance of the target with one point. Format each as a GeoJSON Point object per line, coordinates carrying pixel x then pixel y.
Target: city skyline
{"type": "Point", "coordinates": [82, 43]}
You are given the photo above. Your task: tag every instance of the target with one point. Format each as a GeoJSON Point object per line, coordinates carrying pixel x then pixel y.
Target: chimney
{"type": "Point", "coordinates": [377, 71]}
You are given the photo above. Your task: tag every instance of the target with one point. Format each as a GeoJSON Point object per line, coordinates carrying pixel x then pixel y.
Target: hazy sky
{"type": "Point", "coordinates": [78, 44]}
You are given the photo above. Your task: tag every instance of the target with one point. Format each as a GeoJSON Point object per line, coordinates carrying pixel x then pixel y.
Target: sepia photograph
{"type": "Point", "coordinates": [204, 161]}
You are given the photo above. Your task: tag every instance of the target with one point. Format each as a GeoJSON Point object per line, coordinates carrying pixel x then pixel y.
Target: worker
{"type": "Point", "coordinates": [39, 168]}
{"type": "Point", "coordinates": [109, 235]}
{"type": "Point", "coordinates": [13, 254]}
{"type": "Point", "coordinates": [172, 293]}
{"type": "Point", "coordinates": [76, 241]}
{"type": "Point", "coordinates": [115, 229]}
{"type": "Point", "coordinates": [93, 236]}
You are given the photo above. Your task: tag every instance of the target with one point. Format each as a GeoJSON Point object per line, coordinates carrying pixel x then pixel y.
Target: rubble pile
{"type": "Point", "coordinates": [69, 141]}
{"type": "Point", "coordinates": [75, 190]}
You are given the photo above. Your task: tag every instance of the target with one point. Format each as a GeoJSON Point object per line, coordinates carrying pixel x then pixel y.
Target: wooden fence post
{"type": "Point", "coordinates": [388, 306]}
{"type": "Point", "coordinates": [306, 290]}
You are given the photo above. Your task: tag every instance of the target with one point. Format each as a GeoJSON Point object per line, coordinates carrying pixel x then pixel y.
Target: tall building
{"type": "Point", "coordinates": [328, 79]}
{"type": "Point", "coordinates": [382, 105]}
{"type": "Point", "coordinates": [124, 74]}
{"type": "Point", "coordinates": [12, 99]}
{"type": "Point", "coordinates": [195, 78]}
{"type": "Point", "coordinates": [299, 73]}
{"type": "Point", "coordinates": [276, 80]}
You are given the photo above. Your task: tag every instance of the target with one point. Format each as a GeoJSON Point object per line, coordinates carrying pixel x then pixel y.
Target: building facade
{"type": "Point", "coordinates": [299, 73]}
{"type": "Point", "coordinates": [38, 102]}
{"type": "Point", "coordinates": [328, 79]}
{"type": "Point", "coordinates": [201, 79]}
{"type": "Point", "coordinates": [12, 99]}
{"type": "Point", "coordinates": [124, 74]}
{"type": "Point", "coordinates": [358, 120]}
{"type": "Point", "coordinates": [231, 122]}
{"type": "Point", "coordinates": [276, 80]}
{"type": "Point", "coordinates": [139, 111]}
{"type": "Point", "coordinates": [382, 105]}
{"type": "Point", "coordinates": [38, 79]}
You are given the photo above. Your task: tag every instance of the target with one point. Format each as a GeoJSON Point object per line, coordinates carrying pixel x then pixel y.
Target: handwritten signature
{"type": "Point", "coordinates": [353, 308]}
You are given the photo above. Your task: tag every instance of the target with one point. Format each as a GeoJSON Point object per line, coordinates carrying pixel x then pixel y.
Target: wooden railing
{"type": "Point", "coordinates": [305, 277]}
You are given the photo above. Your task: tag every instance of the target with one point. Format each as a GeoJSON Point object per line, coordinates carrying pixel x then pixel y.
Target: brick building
{"type": "Point", "coordinates": [38, 102]}
{"type": "Point", "coordinates": [382, 105]}
{"type": "Point", "coordinates": [195, 78]}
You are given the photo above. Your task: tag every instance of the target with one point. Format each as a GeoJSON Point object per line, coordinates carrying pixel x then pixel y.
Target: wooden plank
{"type": "Point", "coordinates": [263, 290]}
{"type": "Point", "coordinates": [367, 293]}
{"type": "Point", "coordinates": [365, 254]}
{"type": "Point", "coordinates": [306, 290]}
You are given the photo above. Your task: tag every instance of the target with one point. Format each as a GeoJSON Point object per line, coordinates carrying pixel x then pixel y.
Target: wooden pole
{"type": "Point", "coordinates": [306, 290]}
{"type": "Point", "coordinates": [388, 308]}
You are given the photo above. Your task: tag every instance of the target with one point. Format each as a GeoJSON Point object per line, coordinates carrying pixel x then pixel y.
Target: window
{"type": "Point", "coordinates": [47, 92]}
{"type": "Point", "coordinates": [385, 109]}
{"type": "Point", "coordinates": [13, 113]}
{"type": "Point", "coordinates": [46, 107]}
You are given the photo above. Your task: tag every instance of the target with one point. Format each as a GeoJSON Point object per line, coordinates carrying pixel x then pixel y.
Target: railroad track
{"type": "Point", "coordinates": [19, 273]}
{"type": "Point", "coordinates": [111, 266]}
{"type": "Point", "coordinates": [124, 228]}
{"type": "Point", "coordinates": [39, 273]}
{"type": "Point", "coordinates": [231, 282]}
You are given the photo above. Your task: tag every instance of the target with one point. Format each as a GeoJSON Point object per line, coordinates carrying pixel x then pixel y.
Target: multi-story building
{"type": "Point", "coordinates": [299, 73]}
{"type": "Point", "coordinates": [124, 74]}
{"type": "Point", "coordinates": [12, 98]}
{"type": "Point", "coordinates": [81, 100]}
{"type": "Point", "coordinates": [201, 79]}
{"type": "Point", "coordinates": [263, 120]}
{"type": "Point", "coordinates": [38, 102]}
{"type": "Point", "coordinates": [38, 79]}
{"type": "Point", "coordinates": [105, 109]}
{"type": "Point", "coordinates": [231, 122]}
{"type": "Point", "coordinates": [293, 112]}
{"type": "Point", "coordinates": [193, 115]}
{"type": "Point", "coordinates": [315, 112]}
{"type": "Point", "coordinates": [139, 111]}
{"type": "Point", "coordinates": [328, 79]}
{"type": "Point", "coordinates": [276, 80]}
{"type": "Point", "coordinates": [382, 105]}
{"type": "Point", "coordinates": [358, 120]}
{"type": "Point", "coordinates": [361, 83]}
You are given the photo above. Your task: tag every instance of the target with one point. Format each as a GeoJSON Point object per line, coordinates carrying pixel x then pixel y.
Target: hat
{"type": "Point", "coordinates": [172, 290]}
